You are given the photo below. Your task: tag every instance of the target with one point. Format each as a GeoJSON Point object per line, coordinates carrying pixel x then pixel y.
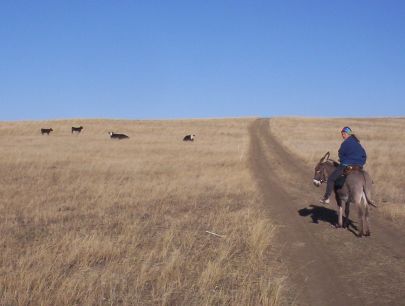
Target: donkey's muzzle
{"type": "Point", "coordinates": [317, 183]}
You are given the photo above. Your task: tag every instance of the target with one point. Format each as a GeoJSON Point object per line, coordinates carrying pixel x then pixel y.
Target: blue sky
{"type": "Point", "coordinates": [201, 59]}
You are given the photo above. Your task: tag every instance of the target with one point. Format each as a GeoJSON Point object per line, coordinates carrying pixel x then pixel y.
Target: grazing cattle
{"type": "Point", "coordinates": [189, 137]}
{"type": "Point", "coordinates": [117, 136]}
{"type": "Point", "coordinates": [46, 131]}
{"type": "Point", "coordinates": [77, 129]}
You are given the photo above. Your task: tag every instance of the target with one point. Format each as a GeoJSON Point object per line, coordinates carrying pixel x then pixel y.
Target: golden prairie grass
{"type": "Point", "coordinates": [383, 139]}
{"type": "Point", "coordinates": [86, 220]}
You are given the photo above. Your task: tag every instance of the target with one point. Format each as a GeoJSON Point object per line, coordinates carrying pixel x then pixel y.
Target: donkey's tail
{"type": "Point", "coordinates": [367, 188]}
{"type": "Point", "coordinates": [369, 201]}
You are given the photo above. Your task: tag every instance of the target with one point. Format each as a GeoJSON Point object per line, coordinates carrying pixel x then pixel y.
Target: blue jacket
{"type": "Point", "coordinates": [352, 153]}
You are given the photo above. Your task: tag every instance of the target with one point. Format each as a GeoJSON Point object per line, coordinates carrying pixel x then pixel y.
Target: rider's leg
{"type": "Point", "coordinates": [331, 182]}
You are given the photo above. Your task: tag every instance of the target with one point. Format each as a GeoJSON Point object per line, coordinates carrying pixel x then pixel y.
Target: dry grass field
{"type": "Point", "coordinates": [383, 139]}
{"type": "Point", "coordinates": [86, 220]}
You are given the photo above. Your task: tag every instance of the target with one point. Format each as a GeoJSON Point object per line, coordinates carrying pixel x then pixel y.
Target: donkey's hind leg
{"type": "Point", "coordinates": [361, 221]}
{"type": "Point", "coordinates": [366, 224]}
{"type": "Point", "coordinates": [367, 232]}
{"type": "Point", "coordinates": [357, 200]}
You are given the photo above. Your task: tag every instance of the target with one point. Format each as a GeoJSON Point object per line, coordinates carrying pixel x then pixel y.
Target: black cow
{"type": "Point", "coordinates": [77, 129]}
{"type": "Point", "coordinates": [117, 136]}
{"type": "Point", "coordinates": [46, 131]}
{"type": "Point", "coordinates": [189, 137]}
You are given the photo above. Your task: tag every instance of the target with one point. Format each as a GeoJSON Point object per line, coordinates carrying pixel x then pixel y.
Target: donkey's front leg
{"type": "Point", "coordinates": [340, 216]}
{"type": "Point", "coordinates": [340, 213]}
{"type": "Point", "coordinates": [347, 212]}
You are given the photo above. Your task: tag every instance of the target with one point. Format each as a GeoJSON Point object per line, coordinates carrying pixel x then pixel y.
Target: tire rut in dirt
{"type": "Point", "coordinates": [313, 281]}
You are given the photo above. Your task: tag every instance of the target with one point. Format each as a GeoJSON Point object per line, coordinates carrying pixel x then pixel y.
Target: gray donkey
{"type": "Point", "coordinates": [356, 189]}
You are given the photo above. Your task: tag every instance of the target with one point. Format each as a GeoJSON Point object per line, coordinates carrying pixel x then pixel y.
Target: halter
{"type": "Point", "coordinates": [322, 171]}
{"type": "Point", "coordinates": [323, 177]}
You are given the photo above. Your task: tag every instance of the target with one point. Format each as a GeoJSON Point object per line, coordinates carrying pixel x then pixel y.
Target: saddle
{"type": "Point", "coordinates": [350, 169]}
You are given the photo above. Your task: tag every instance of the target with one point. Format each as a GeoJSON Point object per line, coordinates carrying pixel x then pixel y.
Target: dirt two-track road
{"type": "Point", "coordinates": [325, 265]}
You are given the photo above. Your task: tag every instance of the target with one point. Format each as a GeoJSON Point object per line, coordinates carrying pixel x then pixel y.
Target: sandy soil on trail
{"type": "Point", "coordinates": [326, 266]}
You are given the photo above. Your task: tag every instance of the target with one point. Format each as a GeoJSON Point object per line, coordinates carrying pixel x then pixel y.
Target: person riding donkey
{"type": "Point", "coordinates": [351, 155]}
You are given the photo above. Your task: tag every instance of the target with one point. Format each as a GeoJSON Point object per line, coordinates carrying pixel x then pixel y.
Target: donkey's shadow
{"type": "Point", "coordinates": [320, 213]}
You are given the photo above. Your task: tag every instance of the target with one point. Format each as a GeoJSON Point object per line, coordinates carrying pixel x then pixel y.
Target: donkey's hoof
{"type": "Point", "coordinates": [367, 234]}
{"type": "Point", "coordinates": [338, 226]}
{"type": "Point", "coordinates": [345, 225]}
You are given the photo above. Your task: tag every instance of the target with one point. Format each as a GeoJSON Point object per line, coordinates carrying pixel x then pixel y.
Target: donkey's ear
{"type": "Point", "coordinates": [325, 157]}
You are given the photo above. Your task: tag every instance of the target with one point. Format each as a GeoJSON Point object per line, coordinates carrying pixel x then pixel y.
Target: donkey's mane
{"type": "Point", "coordinates": [335, 163]}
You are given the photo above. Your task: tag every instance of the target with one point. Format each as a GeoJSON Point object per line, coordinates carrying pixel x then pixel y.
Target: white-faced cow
{"type": "Point", "coordinates": [77, 129]}
{"type": "Point", "coordinates": [117, 136]}
{"type": "Point", "coordinates": [46, 131]}
{"type": "Point", "coordinates": [189, 137]}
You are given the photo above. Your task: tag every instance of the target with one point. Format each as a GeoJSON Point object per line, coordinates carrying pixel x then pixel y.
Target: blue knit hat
{"type": "Point", "coordinates": [347, 130]}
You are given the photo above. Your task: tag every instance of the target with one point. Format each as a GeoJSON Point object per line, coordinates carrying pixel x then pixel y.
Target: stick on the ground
{"type": "Point", "coordinates": [221, 236]}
